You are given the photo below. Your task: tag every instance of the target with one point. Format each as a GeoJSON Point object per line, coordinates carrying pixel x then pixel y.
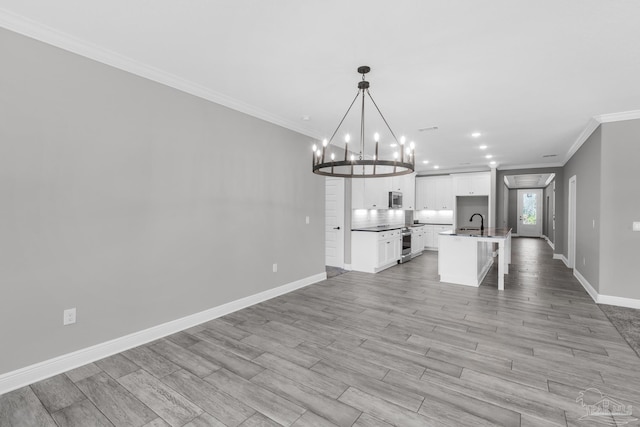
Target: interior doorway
{"type": "Point", "coordinates": [334, 222]}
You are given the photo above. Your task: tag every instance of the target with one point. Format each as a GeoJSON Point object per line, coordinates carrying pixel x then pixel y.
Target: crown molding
{"type": "Point", "coordinates": [531, 166]}
{"type": "Point", "coordinates": [593, 124]}
{"type": "Point", "coordinates": [618, 117]}
{"type": "Point", "coordinates": [51, 36]}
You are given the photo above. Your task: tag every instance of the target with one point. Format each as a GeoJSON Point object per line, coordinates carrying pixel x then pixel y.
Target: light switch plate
{"type": "Point", "coordinates": [636, 225]}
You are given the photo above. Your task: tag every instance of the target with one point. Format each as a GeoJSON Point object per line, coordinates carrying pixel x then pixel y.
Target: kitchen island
{"type": "Point", "coordinates": [466, 255]}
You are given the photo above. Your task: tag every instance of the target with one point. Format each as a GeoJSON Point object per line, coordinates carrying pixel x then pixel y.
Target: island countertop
{"type": "Point", "coordinates": [475, 232]}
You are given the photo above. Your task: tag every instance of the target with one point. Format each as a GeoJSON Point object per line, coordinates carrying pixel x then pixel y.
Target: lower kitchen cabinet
{"type": "Point", "coordinates": [372, 252]}
{"type": "Point", "coordinates": [418, 236]}
{"type": "Point", "coordinates": [431, 233]}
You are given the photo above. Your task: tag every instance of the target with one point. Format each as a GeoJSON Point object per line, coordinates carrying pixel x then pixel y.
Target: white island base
{"type": "Point", "coordinates": [465, 259]}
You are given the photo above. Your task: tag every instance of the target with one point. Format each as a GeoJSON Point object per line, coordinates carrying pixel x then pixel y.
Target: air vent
{"type": "Point", "coordinates": [464, 164]}
{"type": "Point", "coordinates": [550, 155]}
{"type": "Point", "coordinates": [428, 129]}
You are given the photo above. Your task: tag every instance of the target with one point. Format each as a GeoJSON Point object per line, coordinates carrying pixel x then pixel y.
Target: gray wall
{"type": "Point", "coordinates": [512, 222]}
{"type": "Point", "coordinates": [620, 206]}
{"type": "Point", "coordinates": [512, 195]}
{"type": "Point", "coordinates": [467, 206]}
{"type": "Point", "coordinates": [585, 165]}
{"type": "Point", "coordinates": [136, 203]}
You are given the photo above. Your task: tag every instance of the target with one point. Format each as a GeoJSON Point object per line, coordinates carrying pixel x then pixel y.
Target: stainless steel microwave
{"type": "Point", "coordinates": [395, 200]}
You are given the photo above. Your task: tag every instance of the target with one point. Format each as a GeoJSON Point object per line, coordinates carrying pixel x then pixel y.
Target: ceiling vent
{"type": "Point", "coordinates": [428, 129]}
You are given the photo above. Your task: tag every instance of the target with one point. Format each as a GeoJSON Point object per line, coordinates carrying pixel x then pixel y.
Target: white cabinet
{"type": "Point", "coordinates": [369, 193]}
{"type": "Point", "coordinates": [373, 193]}
{"type": "Point", "coordinates": [372, 252]}
{"type": "Point", "coordinates": [444, 193]}
{"type": "Point", "coordinates": [432, 233]}
{"type": "Point", "coordinates": [425, 194]}
{"type": "Point", "coordinates": [472, 184]}
{"type": "Point", "coordinates": [434, 193]}
{"type": "Point", "coordinates": [417, 239]}
{"type": "Point", "coordinates": [376, 193]}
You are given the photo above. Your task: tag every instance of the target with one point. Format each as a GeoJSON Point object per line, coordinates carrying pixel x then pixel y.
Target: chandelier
{"type": "Point", "coordinates": [358, 164]}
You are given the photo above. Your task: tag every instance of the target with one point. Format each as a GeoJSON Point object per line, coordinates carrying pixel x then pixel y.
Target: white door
{"type": "Point", "coordinates": [530, 213]}
{"type": "Point", "coordinates": [334, 222]}
{"type": "Point", "coordinates": [572, 223]}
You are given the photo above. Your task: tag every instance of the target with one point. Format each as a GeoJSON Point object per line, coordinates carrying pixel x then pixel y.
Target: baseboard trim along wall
{"type": "Point", "coordinates": [48, 368]}
{"type": "Point", "coordinates": [605, 299]}
{"type": "Point", "coordinates": [553, 246]}
{"type": "Point", "coordinates": [562, 258]}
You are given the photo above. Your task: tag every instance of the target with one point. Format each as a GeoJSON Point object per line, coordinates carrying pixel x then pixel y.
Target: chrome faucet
{"type": "Point", "coordinates": [481, 221]}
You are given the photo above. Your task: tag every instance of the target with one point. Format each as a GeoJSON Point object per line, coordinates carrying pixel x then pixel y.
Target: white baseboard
{"type": "Point", "coordinates": [605, 299]}
{"type": "Point", "coordinates": [48, 368]}
{"type": "Point", "coordinates": [562, 258]}
{"type": "Point", "coordinates": [619, 301]}
{"type": "Point", "coordinates": [553, 246]}
{"type": "Point", "coordinates": [348, 267]}
{"type": "Point", "coordinates": [586, 285]}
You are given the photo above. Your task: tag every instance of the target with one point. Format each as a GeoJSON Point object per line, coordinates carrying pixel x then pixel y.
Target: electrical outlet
{"type": "Point", "coordinates": [636, 226]}
{"type": "Point", "coordinates": [69, 316]}
{"type": "Point", "coordinates": [306, 220]}
{"type": "Point", "coordinates": [584, 261]}
{"type": "Point", "coordinates": [594, 223]}
{"type": "Point", "coordinates": [275, 268]}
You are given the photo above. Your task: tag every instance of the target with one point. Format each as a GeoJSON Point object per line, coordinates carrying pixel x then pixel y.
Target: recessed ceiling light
{"type": "Point", "coordinates": [426, 162]}
{"type": "Point", "coordinates": [306, 118]}
{"type": "Point", "coordinates": [394, 145]}
{"type": "Point", "coordinates": [488, 156]}
{"type": "Point", "coordinates": [483, 147]}
{"type": "Point", "coordinates": [476, 134]}
{"type": "Point", "coordinates": [492, 162]}
{"type": "Point", "coordinates": [436, 167]}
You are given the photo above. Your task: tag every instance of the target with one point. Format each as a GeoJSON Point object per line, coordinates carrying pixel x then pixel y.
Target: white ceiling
{"type": "Point", "coordinates": [527, 75]}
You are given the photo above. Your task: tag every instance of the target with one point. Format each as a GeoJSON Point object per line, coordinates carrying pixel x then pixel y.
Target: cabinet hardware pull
{"type": "Point", "coordinates": [336, 228]}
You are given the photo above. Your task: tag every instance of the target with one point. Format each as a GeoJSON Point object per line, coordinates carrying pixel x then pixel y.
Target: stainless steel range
{"type": "Point", "coordinates": [406, 245]}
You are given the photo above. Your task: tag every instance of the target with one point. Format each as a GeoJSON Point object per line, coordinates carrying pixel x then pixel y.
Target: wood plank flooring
{"type": "Point", "coordinates": [396, 348]}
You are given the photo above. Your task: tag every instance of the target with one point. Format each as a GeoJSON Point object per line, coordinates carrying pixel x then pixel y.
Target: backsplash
{"type": "Point", "coordinates": [435, 217]}
{"type": "Point", "coordinates": [361, 218]}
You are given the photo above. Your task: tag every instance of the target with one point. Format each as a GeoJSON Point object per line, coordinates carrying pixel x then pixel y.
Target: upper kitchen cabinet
{"type": "Point", "coordinates": [373, 193]}
{"type": "Point", "coordinates": [472, 184]}
{"type": "Point", "coordinates": [434, 193]}
{"type": "Point", "coordinates": [406, 184]}
{"type": "Point", "coordinates": [444, 192]}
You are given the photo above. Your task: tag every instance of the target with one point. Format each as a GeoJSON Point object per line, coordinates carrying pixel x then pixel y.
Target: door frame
{"type": "Point", "coordinates": [571, 221]}
{"type": "Point", "coordinates": [539, 210]}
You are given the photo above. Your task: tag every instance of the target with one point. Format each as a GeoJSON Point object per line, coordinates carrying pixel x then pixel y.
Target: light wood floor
{"type": "Point", "coordinates": [396, 348]}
